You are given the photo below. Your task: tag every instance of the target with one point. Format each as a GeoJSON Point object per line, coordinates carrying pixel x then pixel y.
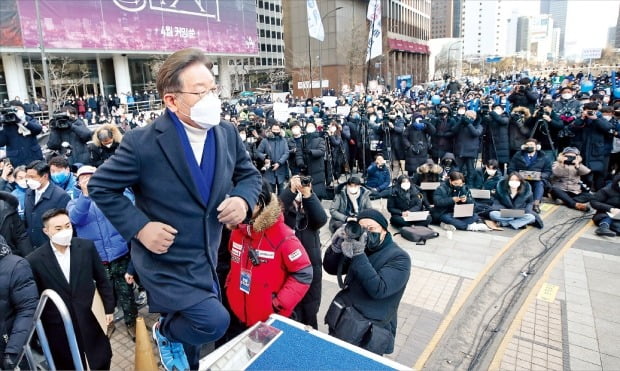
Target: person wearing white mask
{"type": "Point", "coordinates": [41, 196]}
{"type": "Point", "coordinates": [72, 268]}
{"type": "Point", "coordinates": [106, 140]}
{"type": "Point", "coordinates": [404, 199]}
{"type": "Point", "coordinates": [513, 192]}
{"type": "Point", "coordinates": [351, 199]}
{"type": "Point", "coordinates": [191, 174]}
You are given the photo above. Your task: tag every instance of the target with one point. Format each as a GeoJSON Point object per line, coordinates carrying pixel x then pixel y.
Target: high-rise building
{"type": "Point", "coordinates": [558, 10]}
{"type": "Point", "coordinates": [537, 37]}
{"type": "Point", "coordinates": [446, 19]}
{"type": "Point", "coordinates": [339, 61]}
{"type": "Point", "coordinates": [485, 26]}
{"type": "Point", "coordinates": [617, 38]}
{"type": "Point", "coordinates": [523, 34]}
{"type": "Point", "coordinates": [545, 6]}
{"type": "Point", "coordinates": [611, 36]}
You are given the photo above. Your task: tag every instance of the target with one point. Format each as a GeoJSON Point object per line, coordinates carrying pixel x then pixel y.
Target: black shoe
{"type": "Point", "coordinates": [603, 230]}
{"type": "Point", "coordinates": [536, 209]}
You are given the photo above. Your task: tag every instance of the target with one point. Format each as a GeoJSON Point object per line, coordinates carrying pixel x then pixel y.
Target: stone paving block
{"type": "Point", "coordinates": [606, 305]}
{"type": "Point", "coordinates": [604, 281]}
{"type": "Point", "coordinates": [523, 365]}
{"type": "Point", "coordinates": [584, 354]}
{"type": "Point", "coordinates": [577, 364]}
{"type": "Point", "coordinates": [581, 328]}
{"type": "Point", "coordinates": [583, 341]}
{"type": "Point", "coordinates": [579, 318]}
{"type": "Point", "coordinates": [598, 262]}
{"type": "Point", "coordinates": [610, 362]}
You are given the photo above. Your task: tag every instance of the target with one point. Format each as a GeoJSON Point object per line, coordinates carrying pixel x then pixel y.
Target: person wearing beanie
{"type": "Point", "coordinates": [377, 271]}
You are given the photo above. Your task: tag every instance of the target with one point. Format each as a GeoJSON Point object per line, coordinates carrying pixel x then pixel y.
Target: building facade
{"type": "Point", "coordinates": [446, 19]}
{"type": "Point", "coordinates": [485, 26]}
{"type": "Point", "coordinates": [558, 10]}
{"type": "Point", "coordinates": [339, 62]}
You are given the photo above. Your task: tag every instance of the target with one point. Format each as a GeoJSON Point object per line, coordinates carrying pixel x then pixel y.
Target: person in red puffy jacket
{"type": "Point", "coordinates": [270, 271]}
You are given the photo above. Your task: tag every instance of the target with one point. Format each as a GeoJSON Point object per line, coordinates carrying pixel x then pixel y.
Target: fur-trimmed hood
{"type": "Point", "coordinates": [268, 216]}
{"type": "Point", "coordinates": [116, 134]}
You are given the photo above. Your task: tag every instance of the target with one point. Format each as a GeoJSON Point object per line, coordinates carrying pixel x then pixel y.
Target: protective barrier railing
{"type": "Point", "coordinates": [37, 326]}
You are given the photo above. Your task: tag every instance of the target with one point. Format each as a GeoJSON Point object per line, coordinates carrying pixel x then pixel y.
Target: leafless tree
{"type": "Point", "coordinates": [352, 48]}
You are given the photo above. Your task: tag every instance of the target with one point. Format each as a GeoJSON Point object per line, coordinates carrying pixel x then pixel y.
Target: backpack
{"type": "Point", "coordinates": [419, 235]}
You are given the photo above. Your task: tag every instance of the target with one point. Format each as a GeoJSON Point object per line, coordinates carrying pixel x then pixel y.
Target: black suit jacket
{"type": "Point", "coordinates": [86, 273]}
{"type": "Point", "coordinates": [54, 197]}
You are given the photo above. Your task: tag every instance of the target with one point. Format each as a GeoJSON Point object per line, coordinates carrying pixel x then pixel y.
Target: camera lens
{"type": "Point", "coordinates": [353, 230]}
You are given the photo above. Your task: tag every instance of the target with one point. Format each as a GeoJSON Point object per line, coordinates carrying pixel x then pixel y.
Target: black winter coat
{"type": "Point", "coordinates": [411, 200]}
{"type": "Point", "coordinates": [443, 139]}
{"type": "Point", "coordinates": [307, 223]}
{"type": "Point", "coordinates": [11, 226]}
{"type": "Point", "coordinates": [496, 143]}
{"type": "Point", "coordinates": [524, 200]}
{"type": "Point", "coordinates": [417, 145]}
{"type": "Point", "coordinates": [22, 150]}
{"type": "Point", "coordinates": [443, 202]}
{"type": "Point", "coordinates": [595, 142]}
{"type": "Point", "coordinates": [77, 136]}
{"type": "Point", "coordinates": [543, 131]}
{"type": "Point", "coordinates": [375, 291]}
{"type": "Point", "coordinates": [18, 301]}
{"type": "Point", "coordinates": [311, 157]}
{"type": "Point", "coordinates": [542, 164]}
{"type": "Point", "coordinates": [54, 197]}
{"type": "Point", "coordinates": [526, 98]}
{"type": "Point", "coordinates": [605, 199]}
{"type": "Point", "coordinates": [467, 143]}
{"type": "Point", "coordinates": [398, 142]}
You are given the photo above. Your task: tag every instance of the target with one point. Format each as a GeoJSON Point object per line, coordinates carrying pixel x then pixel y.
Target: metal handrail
{"type": "Point", "coordinates": [38, 326]}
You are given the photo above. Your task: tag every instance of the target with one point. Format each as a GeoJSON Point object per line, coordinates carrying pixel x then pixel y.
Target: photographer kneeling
{"type": "Point", "coordinates": [566, 183]}
{"type": "Point", "coordinates": [377, 270]}
{"type": "Point", "coordinates": [69, 135]}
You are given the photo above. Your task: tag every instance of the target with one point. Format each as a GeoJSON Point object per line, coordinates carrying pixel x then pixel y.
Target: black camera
{"type": "Point", "coordinates": [8, 115]}
{"type": "Point", "coordinates": [60, 120]}
{"type": "Point", "coordinates": [590, 113]}
{"type": "Point", "coordinates": [353, 230]}
{"type": "Point", "coordinates": [305, 180]}
{"type": "Point", "coordinates": [570, 160]}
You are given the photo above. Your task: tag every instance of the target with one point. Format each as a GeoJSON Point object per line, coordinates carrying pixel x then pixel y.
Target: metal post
{"type": "Point", "coordinates": [34, 87]}
{"type": "Point", "coordinates": [372, 27]}
{"type": "Point", "coordinates": [46, 77]}
{"type": "Point", "coordinates": [100, 77]}
{"type": "Point", "coordinates": [321, 49]}
{"type": "Point", "coordinates": [310, 61]}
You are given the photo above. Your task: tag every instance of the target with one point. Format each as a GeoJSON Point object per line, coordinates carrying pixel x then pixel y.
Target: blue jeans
{"type": "Point", "coordinates": [460, 223]}
{"type": "Point", "coordinates": [202, 323]}
{"type": "Point", "coordinates": [515, 223]}
{"type": "Point", "coordinates": [538, 189]}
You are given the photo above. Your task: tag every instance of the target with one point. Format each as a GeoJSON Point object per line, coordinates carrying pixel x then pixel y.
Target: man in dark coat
{"type": "Point", "coordinates": [467, 143]}
{"type": "Point", "coordinates": [70, 130]}
{"type": "Point", "coordinates": [72, 268]}
{"type": "Point", "coordinates": [273, 151]}
{"type": "Point", "coordinates": [443, 139]}
{"type": "Point", "coordinates": [532, 159]}
{"type": "Point", "coordinates": [417, 140]}
{"type": "Point", "coordinates": [377, 272]}
{"type": "Point", "coordinates": [304, 214]}
{"type": "Point", "coordinates": [18, 301]}
{"type": "Point", "coordinates": [309, 158]}
{"type": "Point", "coordinates": [12, 227]}
{"type": "Point", "coordinates": [607, 200]}
{"type": "Point", "coordinates": [496, 145]}
{"type": "Point", "coordinates": [523, 95]}
{"type": "Point", "coordinates": [594, 138]}
{"type": "Point", "coordinates": [20, 137]}
{"type": "Point", "coordinates": [545, 124]}
{"type": "Point", "coordinates": [43, 195]}
{"type": "Point", "coordinates": [184, 194]}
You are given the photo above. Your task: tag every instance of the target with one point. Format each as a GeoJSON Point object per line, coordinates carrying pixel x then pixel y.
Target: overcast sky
{"type": "Point", "coordinates": [587, 21]}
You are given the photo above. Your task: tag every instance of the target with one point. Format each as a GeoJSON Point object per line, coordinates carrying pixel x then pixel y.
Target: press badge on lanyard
{"type": "Point", "coordinates": [245, 281]}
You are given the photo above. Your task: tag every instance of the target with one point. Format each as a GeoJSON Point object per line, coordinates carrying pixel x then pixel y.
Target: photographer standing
{"type": "Point", "coordinates": [69, 135]}
{"type": "Point", "coordinates": [523, 95]}
{"type": "Point", "coordinates": [19, 134]}
{"type": "Point", "coordinates": [377, 271]}
{"type": "Point", "coordinates": [273, 151]}
{"type": "Point", "coordinates": [304, 214]}
{"type": "Point", "coordinates": [546, 124]}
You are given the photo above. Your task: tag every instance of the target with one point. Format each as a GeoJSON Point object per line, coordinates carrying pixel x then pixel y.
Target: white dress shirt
{"type": "Point", "coordinates": [64, 260]}
{"type": "Point", "coordinates": [39, 192]}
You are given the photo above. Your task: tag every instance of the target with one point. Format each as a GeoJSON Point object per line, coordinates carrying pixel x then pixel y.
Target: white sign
{"type": "Point", "coordinates": [343, 110]}
{"type": "Point", "coordinates": [592, 53]}
{"type": "Point", "coordinates": [316, 84]}
{"type": "Point", "coordinates": [329, 101]}
{"type": "Point", "coordinates": [280, 112]}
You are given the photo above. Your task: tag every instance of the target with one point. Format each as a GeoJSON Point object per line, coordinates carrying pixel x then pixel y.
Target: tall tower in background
{"type": "Point", "coordinates": [558, 10]}
{"type": "Point", "coordinates": [485, 25]}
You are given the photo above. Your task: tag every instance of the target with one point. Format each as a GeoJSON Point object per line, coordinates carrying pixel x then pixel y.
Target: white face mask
{"type": "Point", "coordinates": [22, 183]}
{"type": "Point", "coordinates": [310, 129]}
{"type": "Point", "coordinates": [20, 114]}
{"type": "Point", "coordinates": [405, 186]}
{"type": "Point", "coordinates": [491, 172]}
{"type": "Point", "coordinates": [514, 184]}
{"type": "Point", "coordinates": [607, 118]}
{"type": "Point", "coordinates": [242, 137]}
{"type": "Point", "coordinates": [63, 238]}
{"type": "Point", "coordinates": [33, 184]}
{"type": "Point", "coordinates": [353, 190]}
{"type": "Point", "coordinates": [108, 145]}
{"type": "Point", "coordinates": [567, 96]}
{"type": "Point", "coordinates": [206, 113]}
{"type": "Point", "coordinates": [461, 112]}
{"type": "Point", "coordinates": [296, 131]}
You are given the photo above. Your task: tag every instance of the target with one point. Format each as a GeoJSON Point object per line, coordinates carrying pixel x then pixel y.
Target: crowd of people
{"type": "Point", "coordinates": [146, 203]}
